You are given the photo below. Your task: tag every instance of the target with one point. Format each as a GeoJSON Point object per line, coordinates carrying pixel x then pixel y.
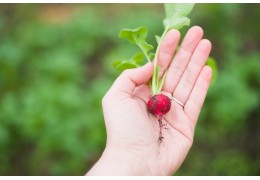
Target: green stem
{"type": "Point", "coordinates": [145, 53]}
{"type": "Point", "coordinates": [154, 84]}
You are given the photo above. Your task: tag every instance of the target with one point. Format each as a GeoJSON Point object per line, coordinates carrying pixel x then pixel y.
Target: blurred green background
{"type": "Point", "coordinates": [55, 67]}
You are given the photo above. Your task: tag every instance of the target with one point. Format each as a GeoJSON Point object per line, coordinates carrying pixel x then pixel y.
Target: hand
{"type": "Point", "coordinates": [132, 132]}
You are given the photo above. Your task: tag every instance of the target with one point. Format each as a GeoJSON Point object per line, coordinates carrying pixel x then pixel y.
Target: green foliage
{"type": "Point", "coordinates": [212, 63]}
{"type": "Point", "coordinates": [133, 63]}
{"type": "Point", "coordinates": [54, 73]}
{"type": "Point", "coordinates": [49, 110]}
{"type": "Point", "coordinates": [158, 39]}
{"type": "Point", "coordinates": [176, 15]}
{"type": "Point", "coordinates": [138, 37]}
{"type": "Point", "coordinates": [175, 19]}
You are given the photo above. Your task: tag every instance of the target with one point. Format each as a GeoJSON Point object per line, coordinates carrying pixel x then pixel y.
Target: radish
{"type": "Point", "coordinates": [158, 104]}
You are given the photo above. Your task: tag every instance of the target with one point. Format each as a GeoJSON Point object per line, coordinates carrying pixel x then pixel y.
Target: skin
{"type": "Point", "coordinates": [132, 132]}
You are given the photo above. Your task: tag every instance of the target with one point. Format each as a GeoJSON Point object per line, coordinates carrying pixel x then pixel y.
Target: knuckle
{"type": "Point", "coordinates": [126, 72]}
{"type": "Point", "coordinates": [177, 71]}
{"type": "Point", "coordinates": [187, 84]}
{"type": "Point", "coordinates": [189, 69]}
{"type": "Point", "coordinates": [183, 52]}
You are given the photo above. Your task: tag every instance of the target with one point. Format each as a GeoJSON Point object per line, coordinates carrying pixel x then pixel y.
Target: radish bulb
{"type": "Point", "coordinates": [159, 105]}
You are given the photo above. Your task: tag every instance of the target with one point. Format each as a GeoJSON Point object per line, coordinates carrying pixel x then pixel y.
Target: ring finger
{"type": "Point", "coordinates": [192, 71]}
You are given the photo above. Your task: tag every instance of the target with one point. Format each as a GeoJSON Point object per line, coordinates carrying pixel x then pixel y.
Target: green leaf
{"type": "Point", "coordinates": [134, 62]}
{"type": "Point", "coordinates": [212, 63]}
{"type": "Point", "coordinates": [132, 34]}
{"type": "Point", "coordinates": [123, 65]}
{"type": "Point", "coordinates": [178, 23]}
{"type": "Point", "coordinates": [158, 39]}
{"type": "Point", "coordinates": [176, 15]}
{"type": "Point", "coordinates": [177, 9]}
{"type": "Point", "coordinates": [138, 58]}
{"type": "Point", "coordinates": [137, 36]}
{"type": "Point", "coordinates": [151, 55]}
{"type": "Point", "coordinates": [145, 46]}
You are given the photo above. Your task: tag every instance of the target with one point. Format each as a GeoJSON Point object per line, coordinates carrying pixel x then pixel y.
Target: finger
{"type": "Point", "coordinates": [194, 104]}
{"type": "Point", "coordinates": [130, 79]}
{"type": "Point", "coordinates": [192, 71]}
{"type": "Point", "coordinates": [167, 50]}
{"type": "Point", "coordinates": [182, 58]}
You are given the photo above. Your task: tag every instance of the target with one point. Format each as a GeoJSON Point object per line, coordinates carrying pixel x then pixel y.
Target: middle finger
{"type": "Point", "coordinates": [182, 58]}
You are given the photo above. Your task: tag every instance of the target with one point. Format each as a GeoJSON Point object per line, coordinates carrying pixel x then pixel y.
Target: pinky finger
{"type": "Point", "coordinates": [194, 103]}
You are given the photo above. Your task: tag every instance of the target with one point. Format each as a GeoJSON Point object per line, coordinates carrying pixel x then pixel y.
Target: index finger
{"type": "Point", "coordinates": [167, 49]}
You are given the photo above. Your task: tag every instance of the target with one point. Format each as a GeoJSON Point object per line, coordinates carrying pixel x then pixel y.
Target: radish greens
{"type": "Point", "coordinates": [176, 18]}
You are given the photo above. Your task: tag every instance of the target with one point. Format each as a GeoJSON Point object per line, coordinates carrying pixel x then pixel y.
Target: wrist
{"type": "Point", "coordinates": [116, 161]}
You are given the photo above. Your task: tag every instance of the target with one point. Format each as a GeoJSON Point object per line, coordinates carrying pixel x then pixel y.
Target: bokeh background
{"type": "Point", "coordinates": [55, 67]}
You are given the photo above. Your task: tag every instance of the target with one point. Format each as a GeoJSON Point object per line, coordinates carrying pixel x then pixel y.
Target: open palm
{"type": "Point", "coordinates": [133, 131]}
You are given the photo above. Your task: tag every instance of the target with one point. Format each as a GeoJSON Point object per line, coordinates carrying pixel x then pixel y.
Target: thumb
{"type": "Point", "coordinates": [132, 78]}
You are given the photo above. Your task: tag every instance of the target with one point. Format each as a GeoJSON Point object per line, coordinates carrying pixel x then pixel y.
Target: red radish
{"type": "Point", "coordinates": [159, 105]}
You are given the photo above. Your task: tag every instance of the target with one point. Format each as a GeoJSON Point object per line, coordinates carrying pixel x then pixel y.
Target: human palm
{"type": "Point", "coordinates": [137, 131]}
{"type": "Point", "coordinates": [132, 129]}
